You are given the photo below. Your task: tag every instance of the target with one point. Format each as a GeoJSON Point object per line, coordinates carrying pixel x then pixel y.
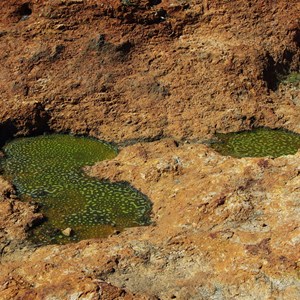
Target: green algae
{"type": "Point", "coordinates": [293, 78]}
{"type": "Point", "coordinates": [259, 142]}
{"type": "Point", "coordinates": [48, 170]}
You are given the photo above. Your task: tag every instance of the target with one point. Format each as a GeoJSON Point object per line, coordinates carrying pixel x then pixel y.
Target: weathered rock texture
{"type": "Point", "coordinates": [152, 68]}
{"type": "Point", "coordinates": [157, 77]}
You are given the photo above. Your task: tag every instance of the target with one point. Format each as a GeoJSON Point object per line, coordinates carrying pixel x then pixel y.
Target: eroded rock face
{"type": "Point", "coordinates": [144, 70]}
{"type": "Point", "coordinates": [16, 218]}
{"type": "Point", "coordinates": [197, 68]}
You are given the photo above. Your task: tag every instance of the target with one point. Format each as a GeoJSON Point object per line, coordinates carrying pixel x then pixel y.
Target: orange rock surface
{"type": "Point", "coordinates": [159, 78]}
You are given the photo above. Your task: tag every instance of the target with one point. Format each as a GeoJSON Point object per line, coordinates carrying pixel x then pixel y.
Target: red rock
{"type": "Point", "coordinates": [162, 72]}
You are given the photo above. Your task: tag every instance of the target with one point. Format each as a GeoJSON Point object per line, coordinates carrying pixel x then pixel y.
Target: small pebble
{"type": "Point", "coordinates": [67, 232]}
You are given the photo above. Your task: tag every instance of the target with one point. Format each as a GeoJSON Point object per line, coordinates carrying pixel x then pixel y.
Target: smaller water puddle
{"type": "Point", "coordinates": [259, 142]}
{"type": "Point", "coordinates": [48, 170]}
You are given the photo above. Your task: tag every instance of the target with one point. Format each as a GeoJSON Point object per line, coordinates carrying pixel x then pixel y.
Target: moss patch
{"type": "Point", "coordinates": [293, 78]}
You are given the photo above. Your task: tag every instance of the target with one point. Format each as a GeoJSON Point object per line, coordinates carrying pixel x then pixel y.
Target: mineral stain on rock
{"type": "Point", "coordinates": [258, 143]}
{"type": "Point", "coordinates": [48, 169]}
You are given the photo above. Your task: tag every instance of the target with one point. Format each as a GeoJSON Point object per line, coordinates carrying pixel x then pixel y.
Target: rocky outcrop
{"type": "Point", "coordinates": [16, 219]}
{"type": "Point", "coordinates": [152, 68]}
{"type": "Point", "coordinates": [158, 77]}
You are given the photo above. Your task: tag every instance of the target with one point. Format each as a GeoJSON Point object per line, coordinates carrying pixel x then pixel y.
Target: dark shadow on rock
{"type": "Point", "coordinates": [24, 11]}
{"type": "Point", "coordinates": [275, 71]}
{"type": "Point", "coordinates": [7, 131]}
{"type": "Point", "coordinates": [33, 120]}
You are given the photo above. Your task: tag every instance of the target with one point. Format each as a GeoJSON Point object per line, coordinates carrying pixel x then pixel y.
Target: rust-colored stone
{"type": "Point", "coordinates": [158, 77]}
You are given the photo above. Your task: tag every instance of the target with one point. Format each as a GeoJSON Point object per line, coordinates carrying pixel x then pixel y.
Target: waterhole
{"type": "Point", "coordinates": [258, 143]}
{"type": "Point", "coordinates": [48, 170]}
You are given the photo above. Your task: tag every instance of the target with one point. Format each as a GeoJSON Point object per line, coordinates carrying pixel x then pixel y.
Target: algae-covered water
{"type": "Point", "coordinates": [48, 170]}
{"type": "Point", "coordinates": [259, 142]}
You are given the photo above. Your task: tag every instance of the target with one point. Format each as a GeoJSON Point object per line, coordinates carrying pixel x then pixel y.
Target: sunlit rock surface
{"type": "Point", "coordinates": [138, 71]}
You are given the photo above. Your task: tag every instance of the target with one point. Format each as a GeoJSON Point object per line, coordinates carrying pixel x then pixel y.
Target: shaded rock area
{"type": "Point", "coordinates": [158, 78]}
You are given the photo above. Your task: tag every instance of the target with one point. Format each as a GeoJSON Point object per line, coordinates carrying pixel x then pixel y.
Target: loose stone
{"type": "Point", "coordinates": [67, 232]}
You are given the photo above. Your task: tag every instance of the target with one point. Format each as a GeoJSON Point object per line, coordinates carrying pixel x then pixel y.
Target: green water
{"type": "Point", "coordinates": [48, 170]}
{"type": "Point", "coordinates": [258, 143]}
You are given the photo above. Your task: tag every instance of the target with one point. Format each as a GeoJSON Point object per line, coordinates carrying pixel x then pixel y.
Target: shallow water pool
{"type": "Point", "coordinates": [259, 142]}
{"type": "Point", "coordinates": [48, 170]}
